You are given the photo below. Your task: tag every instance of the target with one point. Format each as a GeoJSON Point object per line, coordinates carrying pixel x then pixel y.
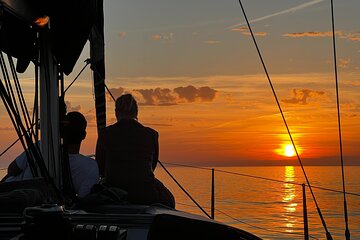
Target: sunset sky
{"type": "Point", "coordinates": [196, 74]}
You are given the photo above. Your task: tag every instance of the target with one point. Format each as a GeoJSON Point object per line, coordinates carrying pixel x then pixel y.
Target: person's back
{"type": "Point", "coordinates": [131, 150]}
{"type": "Point", "coordinates": [127, 154]}
{"type": "Point", "coordinates": [84, 170]}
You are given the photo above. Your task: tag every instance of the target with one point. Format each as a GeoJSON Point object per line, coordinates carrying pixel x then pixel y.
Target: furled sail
{"type": "Point", "coordinates": [98, 65]}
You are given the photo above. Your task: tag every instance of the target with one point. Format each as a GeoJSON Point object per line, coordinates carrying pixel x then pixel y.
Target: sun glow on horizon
{"type": "Point", "coordinates": [289, 150]}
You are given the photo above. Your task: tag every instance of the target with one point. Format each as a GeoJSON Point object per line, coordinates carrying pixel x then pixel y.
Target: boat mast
{"type": "Point", "coordinates": [49, 107]}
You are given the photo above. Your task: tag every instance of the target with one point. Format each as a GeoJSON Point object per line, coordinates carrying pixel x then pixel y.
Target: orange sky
{"type": "Point", "coordinates": [201, 85]}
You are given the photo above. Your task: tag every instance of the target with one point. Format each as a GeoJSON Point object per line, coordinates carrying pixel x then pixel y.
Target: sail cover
{"type": "Point", "coordinates": [71, 22]}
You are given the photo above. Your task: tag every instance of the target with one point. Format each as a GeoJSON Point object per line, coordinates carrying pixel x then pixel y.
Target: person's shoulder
{"type": "Point", "coordinates": [107, 130]}
{"type": "Point", "coordinates": [110, 127]}
{"type": "Point", "coordinates": [151, 131]}
{"type": "Point", "coordinates": [82, 159]}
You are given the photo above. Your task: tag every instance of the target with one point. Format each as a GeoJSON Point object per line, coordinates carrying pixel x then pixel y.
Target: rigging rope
{"type": "Point", "coordinates": [35, 116]}
{"type": "Point", "coordinates": [11, 145]}
{"type": "Point", "coordinates": [32, 150]}
{"type": "Point", "coordinates": [112, 96]}
{"type": "Point", "coordinates": [87, 61]}
{"type": "Point", "coordinates": [183, 189]}
{"type": "Point", "coordinates": [8, 98]}
{"type": "Point", "coordinates": [20, 95]}
{"type": "Point", "coordinates": [259, 177]}
{"type": "Point", "coordinates": [328, 235]}
{"type": "Point", "coordinates": [347, 231]}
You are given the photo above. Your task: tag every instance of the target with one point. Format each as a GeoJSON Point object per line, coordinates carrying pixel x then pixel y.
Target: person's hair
{"type": "Point", "coordinates": [75, 128]}
{"type": "Point", "coordinates": [126, 107]}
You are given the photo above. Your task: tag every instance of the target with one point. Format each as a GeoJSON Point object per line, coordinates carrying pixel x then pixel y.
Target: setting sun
{"type": "Point", "coordinates": [289, 150]}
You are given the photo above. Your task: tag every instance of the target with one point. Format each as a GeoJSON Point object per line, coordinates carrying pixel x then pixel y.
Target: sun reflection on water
{"type": "Point", "coordinates": [289, 198]}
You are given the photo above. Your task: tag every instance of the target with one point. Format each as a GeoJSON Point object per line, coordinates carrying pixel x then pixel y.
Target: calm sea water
{"type": "Point", "coordinates": [271, 209]}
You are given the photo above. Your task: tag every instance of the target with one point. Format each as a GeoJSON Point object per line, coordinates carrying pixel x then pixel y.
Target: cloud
{"type": "Point", "coordinates": [245, 31]}
{"type": "Point", "coordinates": [351, 109]}
{"type": "Point", "coordinates": [7, 129]}
{"type": "Point", "coordinates": [162, 36]}
{"type": "Point", "coordinates": [156, 37]}
{"type": "Point", "coordinates": [122, 34]}
{"type": "Point", "coordinates": [301, 96]}
{"type": "Point", "coordinates": [90, 118]}
{"type": "Point", "coordinates": [309, 34]}
{"type": "Point", "coordinates": [212, 42]}
{"type": "Point", "coordinates": [191, 94]}
{"type": "Point", "coordinates": [240, 29]}
{"type": "Point", "coordinates": [260, 34]}
{"type": "Point", "coordinates": [168, 97]}
{"type": "Point", "coordinates": [286, 11]}
{"type": "Point", "coordinates": [355, 83]}
{"type": "Point", "coordinates": [206, 94]}
{"type": "Point", "coordinates": [344, 63]}
{"type": "Point", "coordinates": [70, 108]}
{"type": "Point", "coordinates": [157, 96]}
{"type": "Point", "coordinates": [350, 36]}
{"type": "Point", "coordinates": [115, 92]}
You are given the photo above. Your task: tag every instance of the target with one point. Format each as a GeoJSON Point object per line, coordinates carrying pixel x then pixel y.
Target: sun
{"type": "Point", "coordinates": [289, 150]}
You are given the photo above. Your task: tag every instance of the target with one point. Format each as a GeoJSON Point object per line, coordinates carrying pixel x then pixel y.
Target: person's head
{"type": "Point", "coordinates": [126, 107]}
{"type": "Point", "coordinates": [75, 128]}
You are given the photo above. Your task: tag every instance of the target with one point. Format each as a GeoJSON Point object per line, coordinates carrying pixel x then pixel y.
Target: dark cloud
{"type": "Point", "coordinates": [191, 93]}
{"type": "Point", "coordinates": [301, 96]}
{"type": "Point", "coordinates": [114, 92]}
{"type": "Point", "coordinates": [168, 97]}
{"type": "Point", "coordinates": [206, 94]}
{"type": "Point", "coordinates": [157, 96]}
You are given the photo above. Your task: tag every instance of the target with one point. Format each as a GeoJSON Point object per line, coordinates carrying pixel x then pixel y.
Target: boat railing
{"type": "Point", "coordinates": [210, 211]}
{"type": "Point", "coordinates": [212, 208]}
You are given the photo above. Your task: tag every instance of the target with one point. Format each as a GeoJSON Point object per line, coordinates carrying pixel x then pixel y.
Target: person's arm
{"type": "Point", "coordinates": [18, 165]}
{"type": "Point", "coordinates": [13, 169]}
{"type": "Point", "coordinates": [91, 179]}
{"type": "Point", "coordinates": [100, 154]}
{"type": "Point", "coordinates": [156, 152]}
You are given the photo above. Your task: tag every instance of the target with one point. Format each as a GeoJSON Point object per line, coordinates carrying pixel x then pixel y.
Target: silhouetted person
{"type": "Point", "coordinates": [127, 154]}
{"type": "Point", "coordinates": [84, 170]}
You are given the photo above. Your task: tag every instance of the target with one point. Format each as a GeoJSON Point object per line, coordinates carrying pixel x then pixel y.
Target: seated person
{"type": "Point", "coordinates": [127, 154]}
{"type": "Point", "coordinates": [84, 170]}
{"type": "Point", "coordinates": [19, 169]}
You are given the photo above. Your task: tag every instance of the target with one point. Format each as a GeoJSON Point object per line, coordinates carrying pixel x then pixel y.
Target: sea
{"type": "Point", "coordinates": [269, 201]}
